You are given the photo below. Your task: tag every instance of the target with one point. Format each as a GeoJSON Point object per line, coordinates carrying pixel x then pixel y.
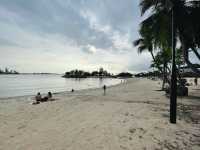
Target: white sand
{"type": "Point", "coordinates": [132, 116]}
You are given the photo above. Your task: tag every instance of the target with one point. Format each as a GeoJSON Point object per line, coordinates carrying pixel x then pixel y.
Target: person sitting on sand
{"type": "Point", "coordinates": [49, 95]}
{"type": "Point", "coordinates": [38, 97]}
{"type": "Point", "coordinates": [44, 99]}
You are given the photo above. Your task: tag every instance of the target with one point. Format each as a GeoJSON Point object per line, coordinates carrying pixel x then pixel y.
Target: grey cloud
{"type": "Point", "coordinates": [44, 18]}
{"type": "Point", "coordinates": [63, 17]}
{"type": "Point", "coordinates": [140, 66]}
{"type": "Point", "coordinates": [5, 42]}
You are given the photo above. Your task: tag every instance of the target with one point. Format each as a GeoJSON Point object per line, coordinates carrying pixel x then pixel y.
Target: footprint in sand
{"type": "Point", "coordinates": [126, 114]}
{"type": "Point", "coordinates": [140, 131]}
{"type": "Point", "coordinates": [12, 136]}
{"type": "Point", "coordinates": [132, 130]}
{"type": "Point", "coordinates": [21, 127]}
{"type": "Point", "coordinates": [123, 147]}
{"type": "Point", "coordinates": [140, 137]}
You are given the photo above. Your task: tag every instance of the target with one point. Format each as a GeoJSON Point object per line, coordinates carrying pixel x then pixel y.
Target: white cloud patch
{"type": "Point", "coordinates": [90, 49]}
{"type": "Point", "coordinates": [94, 22]}
{"type": "Point", "coordinates": [120, 41]}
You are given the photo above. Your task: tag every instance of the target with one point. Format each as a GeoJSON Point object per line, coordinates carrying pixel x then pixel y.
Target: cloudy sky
{"type": "Point", "coordinates": [60, 35]}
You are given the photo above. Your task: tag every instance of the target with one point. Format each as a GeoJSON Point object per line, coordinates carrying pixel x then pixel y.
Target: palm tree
{"type": "Point", "coordinates": [146, 43]}
{"type": "Point", "coordinates": [187, 25]}
{"type": "Point", "coordinates": [143, 46]}
{"type": "Point", "coordinates": [158, 38]}
{"type": "Point", "coordinates": [183, 23]}
{"type": "Point", "coordinates": [160, 61]}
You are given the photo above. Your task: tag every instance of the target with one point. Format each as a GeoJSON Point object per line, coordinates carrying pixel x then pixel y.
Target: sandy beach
{"type": "Point", "coordinates": [131, 116]}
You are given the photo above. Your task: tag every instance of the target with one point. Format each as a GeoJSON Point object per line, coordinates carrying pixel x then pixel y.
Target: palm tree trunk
{"type": "Point", "coordinates": [164, 74]}
{"type": "Point", "coordinates": [162, 71]}
{"type": "Point", "coordinates": [196, 53]}
{"type": "Point", "coordinates": [154, 60]}
{"type": "Point", "coordinates": [152, 56]}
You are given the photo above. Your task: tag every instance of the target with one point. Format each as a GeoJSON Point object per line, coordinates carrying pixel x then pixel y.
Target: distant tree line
{"type": "Point", "coordinates": [84, 74]}
{"type": "Point", "coordinates": [149, 74]}
{"type": "Point", "coordinates": [98, 74]}
{"type": "Point", "coordinates": [125, 75]}
{"type": "Point", "coordinates": [8, 71]}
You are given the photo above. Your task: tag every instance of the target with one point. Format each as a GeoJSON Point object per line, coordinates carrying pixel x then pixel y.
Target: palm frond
{"type": "Point", "coordinates": [137, 42]}
{"type": "Point", "coordinates": [142, 48]}
{"type": "Point", "coordinates": [145, 5]}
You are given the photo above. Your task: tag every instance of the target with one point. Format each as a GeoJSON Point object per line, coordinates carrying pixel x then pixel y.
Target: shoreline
{"type": "Point", "coordinates": [63, 92]}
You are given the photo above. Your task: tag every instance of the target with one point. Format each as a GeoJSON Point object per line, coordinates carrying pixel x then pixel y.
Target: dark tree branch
{"type": "Point", "coordinates": [196, 53]}
{"type": "Point", "coordinates": [190, 65]}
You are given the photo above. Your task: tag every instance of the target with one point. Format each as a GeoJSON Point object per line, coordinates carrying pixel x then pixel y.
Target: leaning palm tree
{"type": "Point", "coordinates": [143, 46]}
{"type": "Point", "coordinates": [156, 38]}
{"type": "Point", "coordinates": [160, 61]}
{"type": "Point", "coordinates": [146, 43]}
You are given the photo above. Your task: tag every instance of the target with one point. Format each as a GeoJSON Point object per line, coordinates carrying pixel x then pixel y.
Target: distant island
{"type": "Point", "coordinates": [84, 74]}
{"type": "Point", "coordinates": [95, 74]}
{"type": "Point", "coordinates": [124, 75]}
{"type": "Point", "coordinates": [8, 71]}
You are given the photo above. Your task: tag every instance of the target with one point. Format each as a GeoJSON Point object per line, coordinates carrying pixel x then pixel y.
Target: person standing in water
{"type": "Point", "coordinates": [104, 89]}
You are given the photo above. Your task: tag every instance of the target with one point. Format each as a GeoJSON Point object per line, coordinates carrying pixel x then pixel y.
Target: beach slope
{"type": "Point", "coordinates": [131, 116]}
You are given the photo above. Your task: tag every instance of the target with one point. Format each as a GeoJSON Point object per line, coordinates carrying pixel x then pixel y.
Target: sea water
{"type": "Point", "coordinates": [30, 84]}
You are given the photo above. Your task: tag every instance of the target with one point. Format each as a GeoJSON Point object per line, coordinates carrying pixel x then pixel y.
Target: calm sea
{"type": "Point", "coordinates": [20, 85]}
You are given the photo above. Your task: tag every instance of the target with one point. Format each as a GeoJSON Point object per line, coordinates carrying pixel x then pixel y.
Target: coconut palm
{"type": "Point", "coordinates": [160, 61]}
{"type": "Point", "coordinates": [146, 43]}
{"type": "Point", "coordinates": [143, 46]}
{"type": "Point", "coordinates": [187, 25]}
{"type": "Point", "coordinates": [157, 39]}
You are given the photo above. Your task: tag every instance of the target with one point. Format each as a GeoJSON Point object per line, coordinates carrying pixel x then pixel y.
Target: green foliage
{"type": "Point", "coordinates": [84, 74]}
{"type": "Point", "coordinates": [125, 75]}
{"type": "Point", "coordinates": [156, 29]}
{"type": "Point", "coordinates": [186, 18]}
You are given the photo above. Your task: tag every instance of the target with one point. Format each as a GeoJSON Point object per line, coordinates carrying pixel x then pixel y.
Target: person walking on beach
{"type": "Point", "coordinates": [195, 81]}
{"type": "Point", "coordinates": [104, 89]}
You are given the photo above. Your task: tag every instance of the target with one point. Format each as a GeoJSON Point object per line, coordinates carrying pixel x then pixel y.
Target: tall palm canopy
{"type": "Point", "coordinates": [159, 26]}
